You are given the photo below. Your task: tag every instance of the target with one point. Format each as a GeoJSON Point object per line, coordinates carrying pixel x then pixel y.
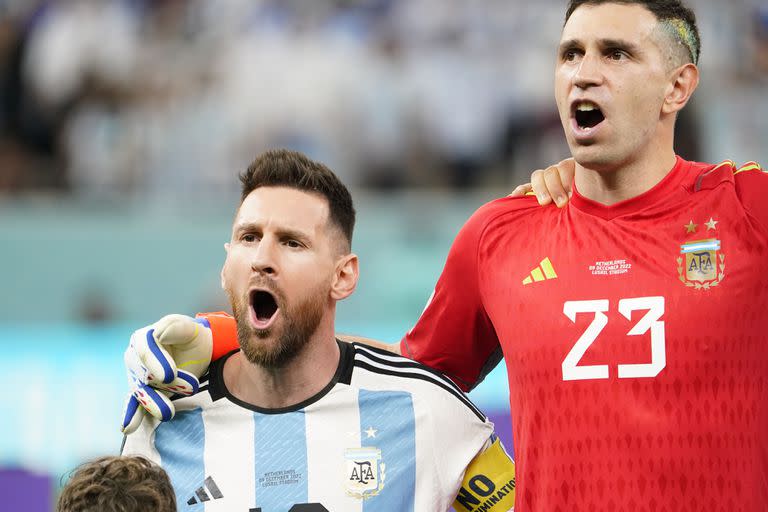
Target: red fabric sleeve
{"type": "Point", "coordinates": [224, 331]}
{"type": "Point", "coordinates": [454, 334]}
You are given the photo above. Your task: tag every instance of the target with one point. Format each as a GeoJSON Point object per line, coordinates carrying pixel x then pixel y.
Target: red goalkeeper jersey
{"type": "Point", "coordinates": [635, 338]}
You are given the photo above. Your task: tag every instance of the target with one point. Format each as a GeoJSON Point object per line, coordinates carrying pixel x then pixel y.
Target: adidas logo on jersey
{"type": "Point", "coordinates": [543, 272]}
{"type": "Point", "coordinates": [201, 495]}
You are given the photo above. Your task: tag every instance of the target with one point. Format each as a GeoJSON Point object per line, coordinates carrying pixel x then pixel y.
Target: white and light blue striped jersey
{"type": "Point", "coordinates": [387, 434]}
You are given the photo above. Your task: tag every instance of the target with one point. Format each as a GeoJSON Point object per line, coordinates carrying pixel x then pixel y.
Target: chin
{"type": "Point", "coordinates": [594, 158]}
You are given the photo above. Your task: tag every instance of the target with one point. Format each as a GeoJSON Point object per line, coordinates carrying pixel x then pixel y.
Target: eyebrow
{"type": "Point", "coordinates": [604, 43]}
{"type": "Point", "coordinates": [280, 232]}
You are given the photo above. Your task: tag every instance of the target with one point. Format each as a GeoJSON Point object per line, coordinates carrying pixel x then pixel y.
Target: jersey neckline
{"type": "Point", "coordinates": [662, 191]}
{"type": "Point", "coordinates": [218, 389]}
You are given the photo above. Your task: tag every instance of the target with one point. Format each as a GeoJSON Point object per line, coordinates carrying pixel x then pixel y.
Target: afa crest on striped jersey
{"type": "Point", "coordinates": [365, 472]}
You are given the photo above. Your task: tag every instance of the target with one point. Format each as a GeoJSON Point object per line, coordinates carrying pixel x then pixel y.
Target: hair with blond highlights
{"type": "Point", "coordinates": [675, 18]}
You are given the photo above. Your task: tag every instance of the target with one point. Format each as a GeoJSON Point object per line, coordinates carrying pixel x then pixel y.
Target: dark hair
{"type": "Point", "coordinates": [284, 168]}
{"type": "Point", "coordinates": [118, 484]}
{"type": "Point", "coordinates": [680, 18]}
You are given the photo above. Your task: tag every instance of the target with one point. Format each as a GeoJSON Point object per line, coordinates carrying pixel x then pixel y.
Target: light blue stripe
{"type": "Point", "coordinates": [280, 460]}
{"type": "Point", "coordinates": [390, 413]}
{"type": "Point", "coordinates": [181, 443]}
{"type": "Point", "coordinates": [710, 246]}
{"type": "Point", "coordinates": [696, 248]}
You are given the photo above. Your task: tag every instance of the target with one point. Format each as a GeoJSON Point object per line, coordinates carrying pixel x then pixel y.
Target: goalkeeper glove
{"type": "Point", "coordinates": [163, 359]}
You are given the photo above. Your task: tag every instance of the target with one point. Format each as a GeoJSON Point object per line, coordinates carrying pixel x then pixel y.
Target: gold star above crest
{"type": "Point", "coordinates": [712, 224]}
{"type": "Point", "coordinates": [691, 227]}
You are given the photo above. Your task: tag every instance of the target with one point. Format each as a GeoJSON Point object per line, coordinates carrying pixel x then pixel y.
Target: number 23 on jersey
{"type": "Point", "coordinates": [651, 321]}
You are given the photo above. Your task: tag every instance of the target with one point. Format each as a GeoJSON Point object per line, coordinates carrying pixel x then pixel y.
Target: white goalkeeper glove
{"type": "Point", "coordinates": [163, 359]}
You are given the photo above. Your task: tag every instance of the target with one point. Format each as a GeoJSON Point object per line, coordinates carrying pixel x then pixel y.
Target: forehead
{"type": "Point", "coordinates": [284, 208]}
{"type": "Point", "coordinates": [629, 22]}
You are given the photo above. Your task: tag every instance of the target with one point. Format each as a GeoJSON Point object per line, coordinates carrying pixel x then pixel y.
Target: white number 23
{"type": "Point", "coordinates": [650, 321]}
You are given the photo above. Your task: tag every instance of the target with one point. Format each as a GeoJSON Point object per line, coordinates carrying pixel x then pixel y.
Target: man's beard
{"type": "Point", "coordinates": [299, 323]}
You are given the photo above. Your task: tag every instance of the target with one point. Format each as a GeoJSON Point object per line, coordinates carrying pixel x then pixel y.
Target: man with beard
{"type": "Point", "coordinates": [295, 419]}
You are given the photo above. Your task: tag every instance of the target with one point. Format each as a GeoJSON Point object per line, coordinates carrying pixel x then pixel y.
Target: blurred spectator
{"type": "Point", "coordinates": [94, 305]}
{"type": "Point", "coordinates": [759, 40]}
{"type": "Point", "coordinates": [27, 132]}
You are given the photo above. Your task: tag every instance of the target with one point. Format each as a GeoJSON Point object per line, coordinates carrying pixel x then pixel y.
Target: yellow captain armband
{"type": "Point", "coordinates": [489, 482]}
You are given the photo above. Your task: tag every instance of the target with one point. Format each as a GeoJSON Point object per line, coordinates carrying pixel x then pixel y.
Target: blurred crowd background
{"type": "Point", "coordinates": [108, 97]}
{"type": "Point", "coordinates": [123, 124]}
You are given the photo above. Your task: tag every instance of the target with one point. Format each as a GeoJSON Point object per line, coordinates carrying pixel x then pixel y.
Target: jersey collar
{"type": "Point", "coordinates": [664, 191]}
{"type": "Point", "coordinates": [219, 390]}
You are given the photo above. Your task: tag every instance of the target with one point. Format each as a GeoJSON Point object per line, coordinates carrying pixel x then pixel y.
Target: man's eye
{"type": "Point", "coordinates": [570, 55]}
{"type": "Point", "coordinates": [293, 244]}
{"type": "Point", "coordinates": [617, 55]}
{"type": "Point", "coordinates": [249, 237]}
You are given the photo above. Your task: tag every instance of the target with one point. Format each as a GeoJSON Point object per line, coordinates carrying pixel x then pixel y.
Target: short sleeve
{"type": "Point", "coordinates": [141, 442]}
{"type": "Point", "coordinates": [458, 433]}
{"type": "Point", "coordinates": [454, 334]}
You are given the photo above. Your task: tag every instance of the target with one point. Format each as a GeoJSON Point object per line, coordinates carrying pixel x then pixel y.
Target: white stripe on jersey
{"type": "Point", "coordinates": [227, 461]}
{"type": "Point", "coordinates": [326, 441]}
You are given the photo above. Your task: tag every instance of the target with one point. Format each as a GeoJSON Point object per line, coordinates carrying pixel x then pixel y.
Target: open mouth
{"type": "Point", "coordinates": [264, 306]}
{"type": "Point", "coordinates": [588, 115]}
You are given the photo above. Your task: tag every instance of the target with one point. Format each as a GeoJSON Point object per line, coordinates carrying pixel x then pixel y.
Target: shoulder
{"type": "Point", "coordinates": [506, 207]}
{"type": "Point", "coordinates": [749, 182]}
{"type": "Point", "coordinates": [705, 176]}
{"type": "Point", "coordinates": [382, 370]}
{"type": "Point", "coordinates": [500, 213]}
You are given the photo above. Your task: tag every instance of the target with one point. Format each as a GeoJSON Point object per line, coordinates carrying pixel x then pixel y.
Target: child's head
{"type": "Point", "coordinates": [118, 484]}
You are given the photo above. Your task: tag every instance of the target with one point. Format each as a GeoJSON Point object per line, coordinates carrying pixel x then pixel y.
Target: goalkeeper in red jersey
{"type": "Point", "coordinates": [631, 321]}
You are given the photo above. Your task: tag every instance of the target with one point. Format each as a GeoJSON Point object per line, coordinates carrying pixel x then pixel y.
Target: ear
{"type": "Point", "coordinates": [223, 267]}
{"type": "Point", "coordinates": [683, 82]}
{"type": "Point", "coordinates": [345, 277]}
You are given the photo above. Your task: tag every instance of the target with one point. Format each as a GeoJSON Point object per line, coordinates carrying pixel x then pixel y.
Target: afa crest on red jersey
{"type": "Point", "coordinates": [701, 264]}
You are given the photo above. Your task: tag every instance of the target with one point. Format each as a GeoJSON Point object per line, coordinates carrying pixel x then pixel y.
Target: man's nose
{"type": "Point", "coordinates": [263, 258]}
{"type": "Point", "coordinates": [589, 72]}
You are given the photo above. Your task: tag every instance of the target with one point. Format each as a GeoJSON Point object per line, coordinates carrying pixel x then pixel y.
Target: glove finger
{"type": "Point", "coordinates": [135, 367]}
{"type": "Point", "coordinates": [184, 384]}
{"type": "Point", "coordinates": [133, 414]}
{"type": "Point", "coordinates": [193, 344]}
{"type": "Point", "coordinates": [155, 402]}
{"type": "Point", "coordinates": [176, 329]}
{"type": "Point", "coordinates": [159, 363]}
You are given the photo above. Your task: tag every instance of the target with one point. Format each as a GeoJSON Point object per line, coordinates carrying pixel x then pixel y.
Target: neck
{"type": "Point", "coordinates": [626, 180]}
{"type": "Point", "coordinates": [303, 377]}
